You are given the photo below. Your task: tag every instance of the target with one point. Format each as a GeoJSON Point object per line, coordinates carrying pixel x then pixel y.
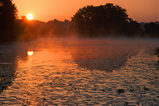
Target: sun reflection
{"type": "Point", "coordinates": [30, 53]}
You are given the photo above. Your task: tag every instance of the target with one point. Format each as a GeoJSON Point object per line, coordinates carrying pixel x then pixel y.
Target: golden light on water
{"type": "Point", "coordinates": [29, 16]}
{"type": "Point", "coordinates": [30, 53]}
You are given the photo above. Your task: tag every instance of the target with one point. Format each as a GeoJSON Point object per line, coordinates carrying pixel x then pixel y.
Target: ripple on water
{"type": "Point", "coordinates": [67, 82]}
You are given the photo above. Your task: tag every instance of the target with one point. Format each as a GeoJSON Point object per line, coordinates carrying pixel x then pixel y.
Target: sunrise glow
{"type": "Point", "coordinates": [144, 11]}
{"type": "Point", "coordinates": [30, 53]}
{"type": "Point", "coordinates": [29, 16]}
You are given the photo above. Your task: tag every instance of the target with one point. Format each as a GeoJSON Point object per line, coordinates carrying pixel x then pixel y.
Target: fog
{"type": "Point", "coordinates": [64, 66]}
{"type": "Point", "coordinates": [100, 57]}
{"type": "Point", "coordinates": [91, 53]}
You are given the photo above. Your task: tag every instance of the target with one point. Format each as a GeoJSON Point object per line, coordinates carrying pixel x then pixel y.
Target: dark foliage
{"type": "Point", "coordinates": [8, 13]}
{"type": "Point", "coordinates": [104, 20]}
{"type": "Point", "coordinates": [157, 51]}
{"type": "Point", "coordinates": [28, 29]}
{"type": "Point", "coordinates": [99, 21]}
{"type": "Point", "coordinates": [56, 28]}
{"type": "Point", "coordinates": [152, 29]}
{"type": "Point", "coordinates": [33, 29]}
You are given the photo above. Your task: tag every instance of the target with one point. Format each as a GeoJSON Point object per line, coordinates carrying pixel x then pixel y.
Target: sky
{"type": "Point", "coordinates": [46, 10]}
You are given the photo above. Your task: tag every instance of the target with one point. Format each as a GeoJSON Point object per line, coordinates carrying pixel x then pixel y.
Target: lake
{"type": "Point", "coordinates": [71, 71]}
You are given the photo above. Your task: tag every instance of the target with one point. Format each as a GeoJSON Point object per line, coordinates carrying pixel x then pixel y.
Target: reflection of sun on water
{"type": "Point", "coordinates": [30, 53]}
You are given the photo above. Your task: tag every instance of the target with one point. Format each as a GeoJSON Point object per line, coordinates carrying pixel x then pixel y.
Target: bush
{"type": "Point", "coordinates": [157, 51]}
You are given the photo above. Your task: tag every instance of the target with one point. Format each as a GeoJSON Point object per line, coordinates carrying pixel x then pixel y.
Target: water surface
{"type": "Point", "coordinates": [78, 72]}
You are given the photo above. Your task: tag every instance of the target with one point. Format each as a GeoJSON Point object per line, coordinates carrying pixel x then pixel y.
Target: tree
{"type": "Point", "coordinates": [8, 14]}
{"type": "Point", "coordinates": [152, 29]}
{"type": "Point", "coordinates": [103, 19]}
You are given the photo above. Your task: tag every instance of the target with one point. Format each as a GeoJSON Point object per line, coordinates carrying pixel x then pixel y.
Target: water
{"type": "Point", "coordinates": [79, 72]}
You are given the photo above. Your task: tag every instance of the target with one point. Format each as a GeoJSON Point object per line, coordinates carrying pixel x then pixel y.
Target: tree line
{"type": "Point", "coordinates": [110, 20]}
{"type": "Point", "coordinates": [90, 21]}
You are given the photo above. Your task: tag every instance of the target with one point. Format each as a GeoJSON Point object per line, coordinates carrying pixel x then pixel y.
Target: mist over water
{"type": "Point", "coordinates": [60, 62]}
{"type": "Point", "coordinates": [102, 54]}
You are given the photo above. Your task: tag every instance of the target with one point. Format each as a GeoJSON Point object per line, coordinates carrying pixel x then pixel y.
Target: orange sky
{"type": "Point", "coordinates": [45, 10]}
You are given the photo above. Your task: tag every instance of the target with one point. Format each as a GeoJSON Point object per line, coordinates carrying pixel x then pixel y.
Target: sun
{"type": "Point", "coordinates": [30, 16]}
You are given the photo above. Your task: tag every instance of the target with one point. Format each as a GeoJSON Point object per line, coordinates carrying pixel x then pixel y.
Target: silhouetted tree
{"type": "Point", "coordinates": [103, 19]}
{"type": "Point", "coordinates": [8, 14]}
{"type": "Point", "coordinates": [152, 29]}
{"type": "Point", "coordinates": [28, 29]}
{"type": "Point", "coordinates": [55, 28]}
